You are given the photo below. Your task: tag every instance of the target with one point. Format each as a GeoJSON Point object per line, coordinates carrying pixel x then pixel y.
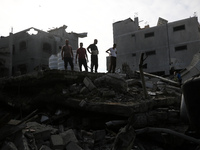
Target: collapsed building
{"type": "Point", "coordinates": [30, 49]}
{"type": "Point", "coordinates": [59, 109]}
{"type": "Point", "coordinates": [167, 46]}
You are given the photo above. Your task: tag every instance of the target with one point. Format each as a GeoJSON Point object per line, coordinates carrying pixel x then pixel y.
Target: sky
{"type": "Point", "coordinates": [92, 16]}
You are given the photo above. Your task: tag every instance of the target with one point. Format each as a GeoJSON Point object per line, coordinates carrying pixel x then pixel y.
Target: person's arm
{"type": "Point", "coordinates": [86, 56]}
{"type": "Point", "coordinates": [108, 51]}
{"type": "Point", "coordinates": [88, 49]}
{"type": "Point", "coordinates": [72, 52]}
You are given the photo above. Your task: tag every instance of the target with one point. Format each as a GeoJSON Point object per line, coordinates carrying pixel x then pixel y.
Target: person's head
{"type": "Point", "coordinates": [114, 45]}
{"type": "Point", "coordinates": [66, 41]}
{"type": "Point", "coordinates": [81, 44]}
{"type": "Point", "coordinates": [95, 41]}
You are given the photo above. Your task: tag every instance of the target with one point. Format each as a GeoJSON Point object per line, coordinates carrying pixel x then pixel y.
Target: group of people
{"type": "Point", "coordinates": [81, 56]}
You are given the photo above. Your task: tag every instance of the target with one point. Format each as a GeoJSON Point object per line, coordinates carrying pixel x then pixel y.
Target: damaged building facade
{"type": "Point", "coordinates": [30, 49]}
{"type": "Point", "coordinates": [167, 46]}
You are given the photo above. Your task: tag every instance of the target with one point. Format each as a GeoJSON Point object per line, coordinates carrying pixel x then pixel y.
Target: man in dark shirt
{"type": "Point", "coordinates": [81, 54]}
{"type": "Point", "coordinates": [67, 55]}
{"type": "Point", "coordinates": [93, 50]}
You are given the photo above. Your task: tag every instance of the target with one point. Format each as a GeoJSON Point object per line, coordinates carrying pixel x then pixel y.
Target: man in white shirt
{"type": "Point", "coordinates": [113, 55]}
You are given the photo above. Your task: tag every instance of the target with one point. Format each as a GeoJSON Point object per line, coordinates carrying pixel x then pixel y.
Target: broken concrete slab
{"type": "Point", "coordinates": [88, 83]}
{"type": "Point", "coordinates": [40, 131]}
{"type": "Point", "coordinates": [57, 141]}
{"type": "Point", "coordinates": [121, 109]}
{"type": "Point", "coordinates": [114, 80]}
{"type": "Point", "coordinates": [161, 78]}
{"type": "Point", "coordinates": [73, 146]}
{"type": "Point", "coordinates": [69, 136]}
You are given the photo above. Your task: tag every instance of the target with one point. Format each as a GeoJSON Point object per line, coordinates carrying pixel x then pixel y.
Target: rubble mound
{"type": "Point", "coordinates": [56, 109]}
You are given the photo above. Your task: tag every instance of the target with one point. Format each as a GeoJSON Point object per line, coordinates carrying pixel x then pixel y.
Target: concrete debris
{"type": "Point", "coordinates": [57, 142]}
{"type": "Point", "coordinates": [73, 146]}
{"type": "Point", "coordinates": [113, 80]}
{"type": "Point", "coordinates": [69, 136]}
{"type": "Point", "coordinates": [68, 110]}
{"type": "Point", "coordinates": [88, 83]}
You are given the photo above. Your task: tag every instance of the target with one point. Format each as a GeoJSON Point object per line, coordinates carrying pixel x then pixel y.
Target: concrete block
{"type": "Point", "coordinates": [40, 131]}
{"type": "Point", "coordinates": [57, 141]}
{"type": "Point", "coordinates": [73, 146]}
{"type": "Point", "coordinates": [68, 136]}
{"type": "Point", "coordinates": [88, 83]}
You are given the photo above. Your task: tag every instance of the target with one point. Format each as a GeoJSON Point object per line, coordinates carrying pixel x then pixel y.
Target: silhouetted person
{"type": "Point", "coordinates": [113, 55]}
{"type": "Point", "coordinates": [67, 55]}
{"type": "Point", "coordinates": [81, 54]}
{"type": "Point", "coordinates": [93, 50]}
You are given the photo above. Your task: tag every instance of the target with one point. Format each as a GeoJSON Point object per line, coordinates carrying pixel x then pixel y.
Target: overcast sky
{"type": "Point", "coordinates": [92, 16]}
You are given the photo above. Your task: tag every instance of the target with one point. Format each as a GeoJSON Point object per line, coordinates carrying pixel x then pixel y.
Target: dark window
{"type": "Point", "coordinates": [22, 45]}
{"type": "Point", "coordinates": [178, 28]}
{"type": "Point", "coordinates": [134, 54]}
{"type": "Point", "coordinates": [151, 53]}
{"type": "Point", "coordinates": [47, 47]}
{"type": "Point", "coordinates": [181, 48]}
{"type": "Point", "coordinates": [150, 34]}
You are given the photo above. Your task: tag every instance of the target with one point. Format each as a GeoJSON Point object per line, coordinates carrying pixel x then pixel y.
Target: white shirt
{"type": "Point", "coordinates": [113, 52]}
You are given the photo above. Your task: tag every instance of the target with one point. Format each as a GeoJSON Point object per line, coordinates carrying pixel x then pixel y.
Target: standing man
{"type": "Point", "coordinates": [93, 50]}
{"type": "Point", "coordinates": [81, 54]}
{"type": "Point", "coordinates": [113, 55]}
{"type": "Point", "coordinates": [67, 55]}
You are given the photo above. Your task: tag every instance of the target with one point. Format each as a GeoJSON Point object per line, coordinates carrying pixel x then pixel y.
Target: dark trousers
{"type": "Point", "coordinates": [112, 64]}
{"type": "Point", "coordinates": [94, 62]}
{"type": "Point", "coordinates": [70, 61]}
{"type": "Point", "coordinates": [84, 63]}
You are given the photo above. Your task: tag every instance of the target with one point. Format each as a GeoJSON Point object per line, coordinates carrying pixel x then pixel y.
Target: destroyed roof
{"type": "Point", "coordinates": [64, 27]}
{"type": "Point", "coordinates": [126, 20]}
{"type": "Point", "coordinates": [193, 69]}
{"type": "Point", "coordinates": [31, 28]}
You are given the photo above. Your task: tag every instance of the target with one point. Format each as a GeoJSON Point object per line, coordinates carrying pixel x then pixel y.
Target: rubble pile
{"type": "Point", "coordinates": [67, 110]}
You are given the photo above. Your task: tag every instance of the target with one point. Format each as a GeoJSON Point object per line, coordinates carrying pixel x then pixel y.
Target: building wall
{"type": "Point", "coordinates": [25, 52]}
{"type": "Point", "coordinates": [35, 49]}
{"type": "Point", "coordinates": [184, 42]}
{"type": "Point", "coordinates": [5, 57]}
{"type": "Point", "coordinates": [63, 35]}
{"type": "Point", "coordinates": [165, 46]}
